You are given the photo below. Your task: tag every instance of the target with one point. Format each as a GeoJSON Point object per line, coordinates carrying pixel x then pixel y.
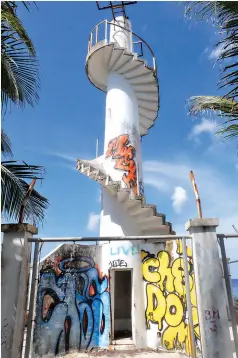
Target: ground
{"type": "Point", "coordinates": [123, 354]}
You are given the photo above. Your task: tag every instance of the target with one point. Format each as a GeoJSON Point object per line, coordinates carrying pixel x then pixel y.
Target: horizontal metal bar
{"type": "Point", "coordinates": [115, 238]}
{"type": "Point", "coordinates": [226, 236]}
{"type": "Point", "coordinates": [232, 262]}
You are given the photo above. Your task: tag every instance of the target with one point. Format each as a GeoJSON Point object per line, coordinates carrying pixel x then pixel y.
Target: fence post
{"type": "Point", "coordinates": [213, 322]}
{"type": "Point", "coordinates": [229, 293]}
{"type": "Point", "coordinates": [32, 301]}
{"type": "Point", "coordinates": [16, 252]}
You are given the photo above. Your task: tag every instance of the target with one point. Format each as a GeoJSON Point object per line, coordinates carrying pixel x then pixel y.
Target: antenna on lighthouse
{"type": "Point", "coordinates": [97, 147]}
{"type": "Point", "coordinates": [117, 7]}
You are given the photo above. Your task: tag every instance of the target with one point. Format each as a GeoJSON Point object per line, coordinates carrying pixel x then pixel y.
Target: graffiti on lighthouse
{"type": "Point", "coordinates": [120, 149]}
{"type": "Point", "coordinates": [166, 298]}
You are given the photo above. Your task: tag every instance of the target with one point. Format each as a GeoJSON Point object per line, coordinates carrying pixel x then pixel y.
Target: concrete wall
{"type": "Point", "coordinates": [14, 278]}
{"type": "Point", "coordinates": [73, 303]}
{"type": "Point", "coordinates": [76, 297]}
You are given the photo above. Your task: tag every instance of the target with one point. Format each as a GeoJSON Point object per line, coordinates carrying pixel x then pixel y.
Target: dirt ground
{"type": "Point", "coordinates": [123, 354]}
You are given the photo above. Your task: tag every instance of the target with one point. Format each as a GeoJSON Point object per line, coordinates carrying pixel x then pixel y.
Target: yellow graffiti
{"type": "Point", "coordinates": [156, 305]}
{"type": "Point", "coordinates": [166, 277]}
{"type": "Point", "coordinates": [174, 337]}
{"type": "Point", "coordinates": [166, 297]}
{"type": "Point", "coordinates": [150, 270]}
{"type": "Point", "coordinates": [179, 249]}
{"type": "Point", "coordinates": [174, 310]}
{"type": "Point", "coordinates": [179, 278]}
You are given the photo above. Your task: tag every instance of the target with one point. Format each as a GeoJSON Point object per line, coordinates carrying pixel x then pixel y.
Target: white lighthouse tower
{"type": "Point", "coordinates": [120, 63]}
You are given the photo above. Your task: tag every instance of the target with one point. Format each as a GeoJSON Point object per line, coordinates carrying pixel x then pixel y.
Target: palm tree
{"type": "Point", "coordinates": [15, 188]}
{"type": "Point", "coordinates": [20, 80]}
{"type": "Point", "coordinates": [225, 15]}
{"type": "Point", "coordinates": [19, 86]}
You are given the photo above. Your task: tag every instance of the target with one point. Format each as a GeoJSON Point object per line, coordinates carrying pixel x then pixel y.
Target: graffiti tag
{"type": "Point", "coordinates": [212, 316]}
{"type": "Point", "coordinates": [124, 153]}
{"type": "Point", "coordinates": [117, 263]}
{"type": "Point", "coordinates": [120, 250]}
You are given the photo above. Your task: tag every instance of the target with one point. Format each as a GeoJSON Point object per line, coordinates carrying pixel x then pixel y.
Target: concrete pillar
{"type": "Point", "coordinates": [214, 326]}
{"type": "Point", "coordinates": [16, 253]}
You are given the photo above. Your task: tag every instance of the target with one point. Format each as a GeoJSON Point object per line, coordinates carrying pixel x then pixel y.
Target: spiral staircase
{"type": "Point", "coordinates": [105, 57]}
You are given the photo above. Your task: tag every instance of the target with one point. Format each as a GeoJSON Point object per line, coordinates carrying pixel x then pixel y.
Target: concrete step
{"type": "Point", "coordinates": [112, 58]}
{"type": "Point", "coordinates": [122, 347]}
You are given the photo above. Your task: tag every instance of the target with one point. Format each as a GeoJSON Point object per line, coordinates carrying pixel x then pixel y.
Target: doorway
{"type": "Point", "coordinates": [122, 320]}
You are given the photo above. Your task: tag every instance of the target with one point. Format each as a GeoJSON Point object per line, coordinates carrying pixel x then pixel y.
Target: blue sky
{"type": "Point", "coordinates": [70, 115]}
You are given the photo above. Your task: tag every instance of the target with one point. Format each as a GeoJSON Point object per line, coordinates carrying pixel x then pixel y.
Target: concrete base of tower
{"type": "Point", "coordinates": [115, 219]}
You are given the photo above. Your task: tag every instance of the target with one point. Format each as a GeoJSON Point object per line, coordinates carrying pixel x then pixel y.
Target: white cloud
{"type": "Point", "coordinates": [65, 156]}
{"type": "Point", "coordinates": [158, 184]}
{"type": "Point", "coordinates": [179, 198]}
{"type": "Point", "coordinates": [216, 52]}
{"type": "Point", "coordinates": [217, 190]}
{"type": "Point", "coordinates": [236, 166]}
{"type": "Point", "coordinates": [93, 221]}
{"type": "Point", "coordinates": [206, 126]}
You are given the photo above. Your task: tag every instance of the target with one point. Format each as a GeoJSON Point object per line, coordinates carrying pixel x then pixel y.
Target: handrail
{"type": "Point", "coordinates": [96, 28]}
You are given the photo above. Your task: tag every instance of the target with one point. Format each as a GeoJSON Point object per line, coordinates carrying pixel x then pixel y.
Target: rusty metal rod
{"type": "Point", "coordinates": [196, 194]}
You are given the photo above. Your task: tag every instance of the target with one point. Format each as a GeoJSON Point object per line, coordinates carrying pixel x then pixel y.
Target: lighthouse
{"type": "Point", "coordinates": [122, 64]}
{"type": "Point", "coordinates": [128, 290]}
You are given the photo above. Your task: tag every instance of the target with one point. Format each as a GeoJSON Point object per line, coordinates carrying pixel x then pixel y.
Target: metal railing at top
{"type": "Point", "coordinates": [101, 34]}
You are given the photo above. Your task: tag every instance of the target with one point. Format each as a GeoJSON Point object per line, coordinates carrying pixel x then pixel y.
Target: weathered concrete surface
{"type": "Point", "coordinates": [15, 273]}
{"type": "Point", "coordinates": [213, 320]}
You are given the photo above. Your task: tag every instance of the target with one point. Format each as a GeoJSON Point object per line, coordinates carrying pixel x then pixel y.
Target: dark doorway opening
{"type": "Point", "coordinates": [122, 304]}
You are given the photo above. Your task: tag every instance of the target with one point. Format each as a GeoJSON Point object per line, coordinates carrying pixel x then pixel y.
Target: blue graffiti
{"type": "Point", "coordinates": [126, 250]}
{"type": "Point", "coordinates": [73, 309]}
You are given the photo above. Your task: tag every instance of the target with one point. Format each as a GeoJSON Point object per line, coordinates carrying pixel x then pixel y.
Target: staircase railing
{"type": "Point", "coordinates": [100, 36]}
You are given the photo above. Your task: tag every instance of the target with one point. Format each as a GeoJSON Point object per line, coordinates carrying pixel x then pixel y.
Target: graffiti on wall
{"type": "Point", "coordinates": [117, 263]}
{"type": "Point", "coordinates": [166, 298]}
{"type": "Point", "coordinates": [124, 153]}
{"type": "Point", "coordinates": [124, 250]}
{"type": "Point", "coordinates": [73, 307]}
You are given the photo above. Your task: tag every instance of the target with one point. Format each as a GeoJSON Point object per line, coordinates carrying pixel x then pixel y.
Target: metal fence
{"type": "Point", "coordinates": [38, 242]}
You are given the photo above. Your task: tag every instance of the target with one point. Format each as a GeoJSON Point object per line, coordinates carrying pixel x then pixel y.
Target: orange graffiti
{"type": "Point", "coordinates": [119, 149]}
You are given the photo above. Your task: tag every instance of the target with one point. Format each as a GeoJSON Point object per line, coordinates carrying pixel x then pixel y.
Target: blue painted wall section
{"type": "Point", "coordinates": [73, 303]}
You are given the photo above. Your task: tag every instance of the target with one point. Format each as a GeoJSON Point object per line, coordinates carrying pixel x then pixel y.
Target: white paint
{"type": "Point", "coordinates": [115, 220]}
{"type": "Point", "coordinates": [121, 37]}
{"type": "Point", "coordinates": [121, 119]}
{"type": "Point", "coordinates": [15, 270]}
{"type": "Point", "coordinates": [130, 253]}
{"type": "Point", "coordinates": [215, 337]}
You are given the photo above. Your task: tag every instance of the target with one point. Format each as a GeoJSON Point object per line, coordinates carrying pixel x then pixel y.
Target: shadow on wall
{"type": "Point", "coordinates": [73, 305]}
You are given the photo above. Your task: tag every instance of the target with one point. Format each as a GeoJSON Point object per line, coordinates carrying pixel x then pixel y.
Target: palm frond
{"type": "Point", "coordinates": [12, 24]}
{"type": "Point", "coordinates": [225, 108]}
{"type": "Point", "coordinates": [6, 145]}
{"type": "Point", "coordinates": [14, 189]}
{"type": "Point", "coordinates": [200, 104]}
{"type": "Point", "coordinates": [225, 15]}
{"type": "Point", "coordinates": [20, 80]}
